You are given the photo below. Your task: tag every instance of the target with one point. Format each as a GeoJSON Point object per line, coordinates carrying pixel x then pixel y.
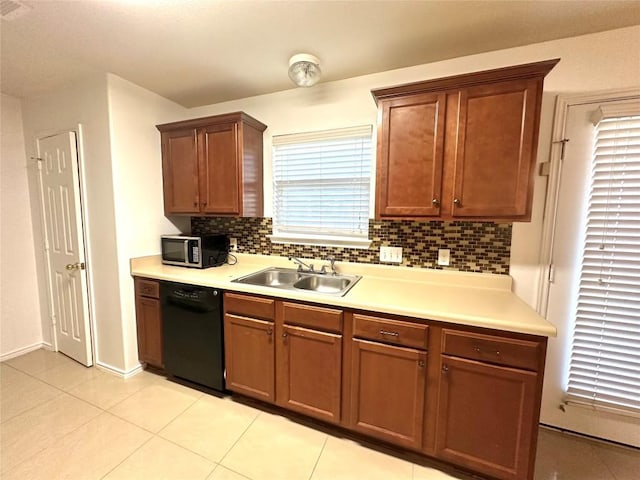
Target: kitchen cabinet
{"type": "Point", "coordinates": [249, 346]}
{"type": "Point", "coordinates": [213, 166]}
{"type": "Point", "coordinates": [309, 367]}
{"type": "Point", "coordinates": [464, 395]}
{"type": "Point", "coordinates": [148, 321]}
{"type": "Point", "coordinates": [489, 403]}
{"type": "Point", "coordinates": [462, 147]}
{"type": "Point", "coordinates": [388, 379]}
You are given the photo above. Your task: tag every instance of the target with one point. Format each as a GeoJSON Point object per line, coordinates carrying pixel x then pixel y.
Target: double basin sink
{"type": "Point", "coordinates": [292, 279]}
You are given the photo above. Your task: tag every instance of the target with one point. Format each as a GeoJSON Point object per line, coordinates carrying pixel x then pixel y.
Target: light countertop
{"type": "Point", "coordinates": [475, 299]}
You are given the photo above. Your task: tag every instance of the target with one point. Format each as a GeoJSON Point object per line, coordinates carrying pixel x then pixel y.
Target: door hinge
{"type": "Point", "coordinates": [552, 273]}
{"type": "Point", "coordinates": [38, 162]}
{"type": "Point", "coordinates": [564, 142]}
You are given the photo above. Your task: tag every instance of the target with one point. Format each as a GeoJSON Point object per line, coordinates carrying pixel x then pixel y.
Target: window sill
{"type": "Point", "coordinates": [321, 240]}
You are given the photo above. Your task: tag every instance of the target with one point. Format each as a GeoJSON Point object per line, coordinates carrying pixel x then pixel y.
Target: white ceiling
{"type": "Point", "coordinates": [200, 52]}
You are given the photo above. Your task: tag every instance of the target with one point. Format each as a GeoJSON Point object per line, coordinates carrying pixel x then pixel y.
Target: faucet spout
{"type": "Point", "coordinates": [302, 267]}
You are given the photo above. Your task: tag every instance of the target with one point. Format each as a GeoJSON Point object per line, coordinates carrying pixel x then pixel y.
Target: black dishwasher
{"type": "Point", "coordinates": [192, 333]}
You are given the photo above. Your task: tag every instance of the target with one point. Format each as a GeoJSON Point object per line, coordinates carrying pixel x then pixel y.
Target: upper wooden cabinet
{"type": "Point", "coordinates": [213, 166]}
{"type": "Point", "coordinates": [460, 147]}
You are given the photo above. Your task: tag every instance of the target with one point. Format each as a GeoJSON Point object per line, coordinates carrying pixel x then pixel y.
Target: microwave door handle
{"type": "Point", "coordinates": [186, 252]}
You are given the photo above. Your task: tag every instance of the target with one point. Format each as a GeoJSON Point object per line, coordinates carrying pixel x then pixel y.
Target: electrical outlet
{"type": "Point", "coordinates": [391, 254]}
{"type": "Point", "coordinates": [444, 256]}
{"type": "Point", "coordinates": [233, 244]}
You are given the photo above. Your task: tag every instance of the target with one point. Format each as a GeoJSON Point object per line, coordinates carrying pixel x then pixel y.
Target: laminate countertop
{"type": "Point", "coordinates": [474, 299]}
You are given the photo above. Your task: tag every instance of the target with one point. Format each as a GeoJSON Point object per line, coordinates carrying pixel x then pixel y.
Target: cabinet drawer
{"type": "Point", "coordinates": [257, 307]}
{"type": "Point", "coordinates": [488, 348]}
{"type": "Point", "coordinates": [147, 288]}
{"type": "Point", "coordinates": [391, 331]}
{"type": "Point", "coordinates": [327, 319]}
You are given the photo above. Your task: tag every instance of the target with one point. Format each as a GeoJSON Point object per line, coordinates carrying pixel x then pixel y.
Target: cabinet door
{"type": "Point", "coordinates": [220, 169]}
{"type": "Point", "coordinates": [486, 417]}
{"type": "Point", "coordinates": [149, 325]}
{"type": "Point", "coordinates": [180, 171]}
{"type": "Point", "coordinates": [249, 357]}
{"type": "Point", "coordinates": [387, 392]}
{"type": "Point", "coordinates": [496, 150]}
{"type": "Point", "coordinates": [310, 373]}
{"type": "Point", "coordinates": [410, 153]}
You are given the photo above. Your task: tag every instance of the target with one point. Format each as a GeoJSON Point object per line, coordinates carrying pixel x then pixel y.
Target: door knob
{"type": "Point", "coordinates": [75, 266]}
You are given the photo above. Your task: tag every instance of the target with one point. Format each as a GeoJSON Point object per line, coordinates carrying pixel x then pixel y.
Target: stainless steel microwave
{"type": "Point", "coordinates": [195, 251]}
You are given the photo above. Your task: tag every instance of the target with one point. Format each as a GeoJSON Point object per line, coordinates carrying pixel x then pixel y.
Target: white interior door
{"type": "Point", "coordinates": [64, 244]}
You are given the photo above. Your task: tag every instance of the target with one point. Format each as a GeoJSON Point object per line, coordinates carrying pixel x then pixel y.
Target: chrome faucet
{"type": "Point", "coordinates": [302, 265]}
{"type": "Point", "coordinates": [332, 262]}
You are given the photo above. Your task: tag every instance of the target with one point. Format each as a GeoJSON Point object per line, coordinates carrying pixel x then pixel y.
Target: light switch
{"type": "Point", "coordinates": [444, 255]}
{"type": "Point", "coordinates": [391, 254]}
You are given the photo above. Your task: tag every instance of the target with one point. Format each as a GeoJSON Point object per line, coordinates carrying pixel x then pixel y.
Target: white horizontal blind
{"type": "Point", "coordinates": [605, 360]}
{"type": "Point", "coordinates": [321, 183]}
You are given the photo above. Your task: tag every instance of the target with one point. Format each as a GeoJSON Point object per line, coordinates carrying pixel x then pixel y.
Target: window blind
{"type": "Point", "coordinates": [321, 185]}
{"type": "Point", "coordinates": [604, 368]}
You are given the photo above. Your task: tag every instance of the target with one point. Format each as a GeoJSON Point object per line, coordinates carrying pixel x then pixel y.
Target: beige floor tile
{"type": "Point", "coordinates": [153, 407]}
{"type": "Point", "coordinates": [20, 392]}
{"type": "Point", "coordinates": [87, 453]}
{"type": "Point", "coordinates": [623, 462]}
{"type": "Point", "coordinates": [210, 426]}
{"type": "Point", "coordinates": [221, 473]}
{"type": "Point", "coordinates": [33, 431]}
{"type": "Point", "coordinates": [105, 390]}
{"type": "Point", "coordinates": [427, 473]}
{"type": "Point", "coordinates": [278, 449]}
{"type": "Point", "coordinates": [159, 459]}
{"type": "Point", "coordinates": [39, 360]}
{"type": "Point", "coordinates": [344, 460]}
{"type": "Point", "coordinates": [68, 375]}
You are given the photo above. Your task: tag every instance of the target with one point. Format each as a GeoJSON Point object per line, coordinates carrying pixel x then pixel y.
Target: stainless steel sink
{"type": "Point", "coordinates": [291, 279]}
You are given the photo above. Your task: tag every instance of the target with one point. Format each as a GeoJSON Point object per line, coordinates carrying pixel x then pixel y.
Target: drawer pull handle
{"type": "Point", "coordinates": [477, 349]}
{"type": "Point", "coordinates": [392, 334]}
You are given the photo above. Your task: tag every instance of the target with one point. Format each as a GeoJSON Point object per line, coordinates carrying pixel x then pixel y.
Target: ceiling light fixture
{"type": "Point", "coordinates": [304, 70]}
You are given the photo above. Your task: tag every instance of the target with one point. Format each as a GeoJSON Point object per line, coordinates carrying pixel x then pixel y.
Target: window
{"type": "Point", "coordinates": [604, 369]}
{"type": "Point", "coordinates": [321, 184]}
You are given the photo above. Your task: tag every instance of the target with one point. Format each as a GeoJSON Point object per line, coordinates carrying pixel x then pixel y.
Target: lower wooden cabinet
{"type": "Point", "coordinates": [485, 418]}
{"type": "Point", "coordinates": [388, 391]}
{"type": "Point", "coordinates": [148, 321]}
{"type": "Point", "coordinates": [467, 396]}
{"type": "Point", "coordinates": [310, 372]}
{"type": "Point", "coordinates": [249, 356]}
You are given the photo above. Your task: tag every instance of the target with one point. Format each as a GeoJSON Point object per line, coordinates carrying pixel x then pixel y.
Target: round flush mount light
{"type": "Point", "coordinates": [304, 70]}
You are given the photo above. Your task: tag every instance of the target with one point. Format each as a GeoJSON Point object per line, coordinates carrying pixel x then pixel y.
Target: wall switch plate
{"type": "Point", "coordinates": [391, 254]}
{"type": "Point", "coordinates": [444, 255]}
{"type": "Point", "coordinates": [233, 244]}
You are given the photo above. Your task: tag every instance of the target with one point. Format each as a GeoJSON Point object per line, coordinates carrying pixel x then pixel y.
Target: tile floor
{"type": "Point", "coordinates": [62, 420]}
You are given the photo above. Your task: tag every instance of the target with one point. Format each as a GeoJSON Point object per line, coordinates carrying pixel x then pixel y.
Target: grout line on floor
{"type": "Point", "coordinates": [128, 456]}
{"type": "Point", "coordinates": [326, 439]}
{"type": "Point", "coordinates": [238, 439]}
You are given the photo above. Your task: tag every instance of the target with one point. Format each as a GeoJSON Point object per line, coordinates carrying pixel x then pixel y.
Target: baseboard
{"type": "Point", "coordinates": [118, 371]}
{"type": "Point", "coordinates": [21, 351]}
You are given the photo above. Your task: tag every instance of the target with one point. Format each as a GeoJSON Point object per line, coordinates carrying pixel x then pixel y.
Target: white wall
{"type": "Point", "coordinates": [20, 315]}
{"type": "Point", "coordinates": [85, 103]}
{"type": "Point", "coordinates": [137, 182]}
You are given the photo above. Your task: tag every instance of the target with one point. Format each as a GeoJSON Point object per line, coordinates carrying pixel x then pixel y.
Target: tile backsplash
{"type": "Point", "coordinates": [475, 246]}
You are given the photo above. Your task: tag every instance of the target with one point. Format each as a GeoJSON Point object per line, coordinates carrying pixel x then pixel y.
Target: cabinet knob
{"type": "Point", "coordinates": [445, 368]}
{"type": "Point", "coordinates": [285, 334]}
{"type": "Point", "coordinates": [421, 364]}
{"type": "Point", "coordinates": [435, 202]}
{"type": "Point", "coordinates": [269, 331]}
{"type": "Point", "coordinates": [457, 202]}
